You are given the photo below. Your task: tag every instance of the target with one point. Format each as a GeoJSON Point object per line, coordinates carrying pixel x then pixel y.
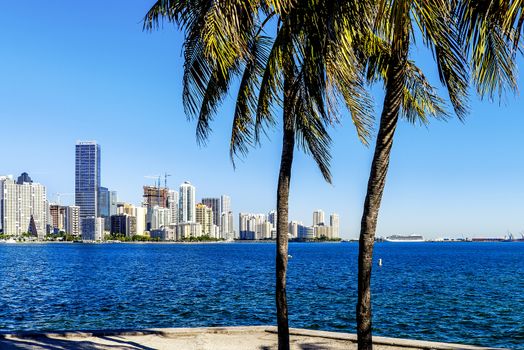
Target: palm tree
{"type": "Point", "coordinates": [449, 29]}
{"type": "Point", "coordinates": [303, 69]}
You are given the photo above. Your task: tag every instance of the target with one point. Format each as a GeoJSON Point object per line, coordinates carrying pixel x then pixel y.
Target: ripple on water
{"type": "Point", "coordinates": [426, 291]}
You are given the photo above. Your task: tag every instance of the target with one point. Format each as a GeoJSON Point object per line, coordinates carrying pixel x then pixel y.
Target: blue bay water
{"type": "Point", "coordinates": [456, 292]}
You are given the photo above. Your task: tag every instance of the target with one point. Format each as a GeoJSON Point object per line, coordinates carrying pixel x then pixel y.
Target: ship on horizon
{"type": "Point", "coordinates": [405, 238]}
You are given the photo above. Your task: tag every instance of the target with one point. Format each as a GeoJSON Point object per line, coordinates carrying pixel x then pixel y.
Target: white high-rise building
{"type": "Point", "coordinates": [187, 203]}
{"type": "Point", "coordinates": [23, 208]}
{"type": "Point", "coordinates": [160, 217]}
{"type": "Point", "coordinates": [334, 222]}
{"type": "Point", "coordinates": [140, 214]}
{"type": "Point", "coordinates": [172, 204]}
{"type": "Point", "coordinates": [318, 217]}
{"type": "Point", "coordinates": [250, 226]}
{"type": "Point", "coordinates": [293, 228]}
{"type": "Point", "coordinates": [226, 226]}
{"type": "Point", "coordinates": [72, 222]}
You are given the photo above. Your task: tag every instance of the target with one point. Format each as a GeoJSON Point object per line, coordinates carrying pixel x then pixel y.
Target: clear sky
{"type": "Point", "coordinates": [86, 71]}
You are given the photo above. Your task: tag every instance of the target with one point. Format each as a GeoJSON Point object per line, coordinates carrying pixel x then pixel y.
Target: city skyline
{"type": "Point", "coordinates": [449, 179]}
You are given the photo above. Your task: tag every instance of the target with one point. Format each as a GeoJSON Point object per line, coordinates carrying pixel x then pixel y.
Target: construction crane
{"type": "Point", "coordinates": [165, 179]}
{"type": "Point", "coordinates": [59, 195]}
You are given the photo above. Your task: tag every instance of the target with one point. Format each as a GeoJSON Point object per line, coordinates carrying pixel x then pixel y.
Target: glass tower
{"type": "Point", "coordinates": [87, 178]}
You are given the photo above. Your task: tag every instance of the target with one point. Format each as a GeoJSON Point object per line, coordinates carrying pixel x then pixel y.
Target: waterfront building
{"type": "Point", "coordinates": [124, 224]}
{"type": "Point", "coordinates": [263, 230]}
{"type": "Point", "coordinates": [306, 233]}
{"type": "Point", "coordinates": [186, 230]}
{"type": "Point", "coordinates": [204, 216]}
{"type": "Point", "coordinates": [104, 206]}
{"type": "Point", "coordinates": [87, 178]}
{"type": "Point", "coordinates": [322, 231]}
{"type": "Point", "coordinates": [92, 228]}
{"type": "Point", "coordinates": [226, 226]}
{"type": "Point", "coordinates": [187, 203]}
{"type": "Point", "coordinates": [216, 206]}
{"type": "Point", "coordinates": [250, 226]}
{"type": "Point", "coordinates": [125, 208]}
{"type": "Point", "coordinates": [165, 233]}
{"type": "Point", "coordinates": [113, 201]}
{"type": "Point", "coordinates": [140, 214]}
{"type": "Point", "coordinates": [23, 207]}
{"type": "Point", "coordinates": [57, 214]}
{"type": "Point", "coordinates": [293, 229]}
{"type": "Point", "coordinates": [334, 222]}
{"type": "Point", "coordinates": [272, 218]}
{"type": "Point", "coordinates": [72, 222]}
{"type": "Point", "coordinates": [155, 197]}
{"type": "Point", "coordinates": [172, 204]}
{"type": "Point", "coordinates": [318, 217]}
{"type": "Point", "coordinates": [159, 217]}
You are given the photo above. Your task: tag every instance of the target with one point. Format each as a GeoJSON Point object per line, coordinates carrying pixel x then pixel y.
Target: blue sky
{"type": "Point", "coordinates": [86, 71]}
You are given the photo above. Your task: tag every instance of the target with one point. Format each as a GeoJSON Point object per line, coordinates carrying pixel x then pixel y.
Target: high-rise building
{"type": "Point", "coordinates": [159, 217]}
{"type": "Point", "coordinates": [156, 197]}
{"type": "Point", "coordinates": [172, 204]}
{"type": "Point", "coordinates": [204, 216]}
{"type": "Point", "coordinates": [23, 208]}
{"type": "Point", "coordinates": [123, 224]}
{"type": "Point", "coordinates": [334, 222]}
{"type": "Point", "coordinates": [225, 203]}
{"type": "Point", "coordinates": [272, 218]}
{"type": "Point", "coordinates": [318, 217]}
{"type": "Point", "coordinates": [293, 229]}
{"type": "Point", "coordinates": [216, 206]}
{"type": "Point", "coordinates": [92, 228]}
{"type": "Point", "coordinates": [57, 217]}
{"type": "Point", "coordinates": [104, 206]}
{"type": "Point", "coordinates": [140, 214]}
{"type": "Point", "coordinates": [187, 203]}
{"type": "Point", "coordinates": [113, 201]}
{"type": "Point", "coordinates": [87, 178]}
{"type": "Point", "coordinates": [72, 224]}
{"type": "Point", "coordinates": [226, 227]}
{"type": "Point", "coordinates": [250, 226]}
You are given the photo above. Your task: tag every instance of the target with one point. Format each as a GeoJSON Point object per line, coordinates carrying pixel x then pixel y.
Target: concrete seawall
{"type": "Point", "coordinates": [217, 338]}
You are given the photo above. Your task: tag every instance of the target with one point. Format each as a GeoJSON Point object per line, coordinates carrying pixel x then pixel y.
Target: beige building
{"type": "Point", "coordinates": [204, 216]}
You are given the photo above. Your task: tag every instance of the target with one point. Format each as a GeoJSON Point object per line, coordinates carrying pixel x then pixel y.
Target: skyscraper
{"type": "Point", "coordinates": [216, 205]}
{"type": "Point", "coordinates": [23, 208]}
{"type": "Point", "coordinates": [334, 222]}
{"type": "Point", "coordinates": [172, 204]}
{"type": "Point", "coordinates": [205, 217]}
{"type": "Point", "coordinates": [187, 203]}
{"type": "Point", "coordinates": [104, 204]}
{"type": "Point", "coordinates": [87, 179]}
{"type": "Point", "coordinates": [318, 217]}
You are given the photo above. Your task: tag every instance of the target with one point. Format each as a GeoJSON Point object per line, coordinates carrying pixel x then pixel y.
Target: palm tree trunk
{"type": "Point", "coordinates": [284, 177]}
{"type": "Point", "coordinates": [376, 183]}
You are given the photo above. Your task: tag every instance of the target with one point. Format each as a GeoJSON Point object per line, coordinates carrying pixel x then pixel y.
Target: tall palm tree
{"type": "Point", "coordinates": [302, 70]}
{"type": "Point", "coordinates": [449, 29]}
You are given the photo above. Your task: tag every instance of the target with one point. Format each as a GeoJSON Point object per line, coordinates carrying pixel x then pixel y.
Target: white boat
{"type": "Point", "coordinates": [10, 240]}
{"type": "Point", "coordinates": [406, 239]}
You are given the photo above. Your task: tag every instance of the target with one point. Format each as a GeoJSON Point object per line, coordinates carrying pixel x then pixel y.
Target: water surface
{"type": "Point", "coordinates": [457, 292]}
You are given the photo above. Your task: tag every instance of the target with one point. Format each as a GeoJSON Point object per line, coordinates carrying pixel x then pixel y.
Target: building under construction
{"type": "Point", "coordinates": [155, 196]}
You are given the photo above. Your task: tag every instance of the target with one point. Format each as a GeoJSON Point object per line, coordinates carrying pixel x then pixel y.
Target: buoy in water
{"type": "Point", "coordinates": [289, 256]}
{"type": "Point", "coordinates": [379, 262]}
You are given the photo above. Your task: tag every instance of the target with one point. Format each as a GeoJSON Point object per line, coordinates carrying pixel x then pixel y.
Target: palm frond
{"type": "Point", "coordinates": [420, 99]}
